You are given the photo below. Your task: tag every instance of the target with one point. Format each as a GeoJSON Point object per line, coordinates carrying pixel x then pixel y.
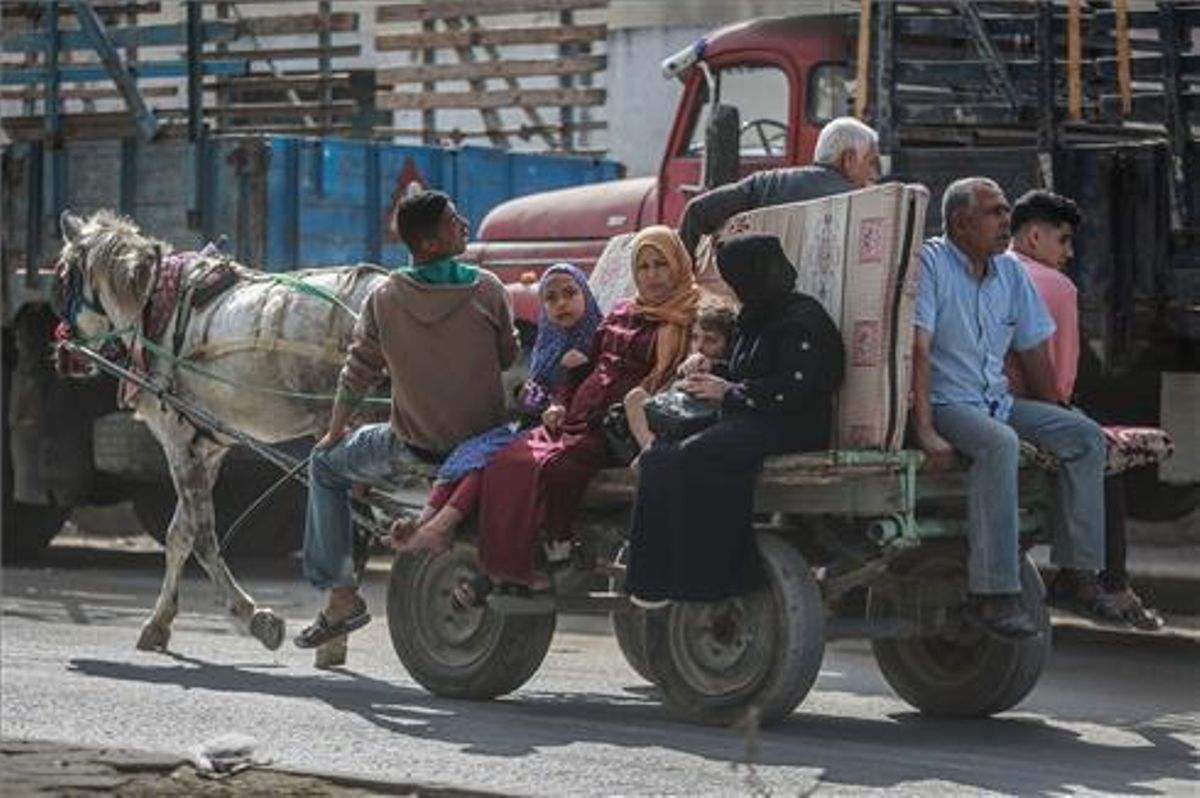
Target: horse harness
{"type": "Point", "coordinates": [186, 282]}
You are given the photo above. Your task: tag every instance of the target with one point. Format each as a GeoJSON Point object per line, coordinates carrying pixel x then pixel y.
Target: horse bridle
{"type": "Point", "coordinates": [72, 294]}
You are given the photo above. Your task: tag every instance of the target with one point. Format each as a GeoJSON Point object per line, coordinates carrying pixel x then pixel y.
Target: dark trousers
{"type": "Point", "coordinates": [1114, 577]}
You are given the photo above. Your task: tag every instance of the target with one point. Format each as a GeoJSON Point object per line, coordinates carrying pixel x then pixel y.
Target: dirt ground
{"type": "Point", "coordinates": [37, 768]}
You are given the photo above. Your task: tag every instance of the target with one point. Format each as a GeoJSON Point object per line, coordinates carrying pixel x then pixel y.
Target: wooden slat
{"type": "Point", "coordinates": [88, 94]}
{"type": "Point", "coordinates": [490, 99]}
{"type": "Point", "coordinates": [960, 72]}
{"type": "Point", "coordinates": [450, 9]}
{"type": "Point", "coordinates": [862, 61]}
{"type": "Point", "coordinates": [496, 36]}
{"type": "Point", "coordinates": [117, 124]}
{"type": "Point", "coordinates": [297, 24]}
{"type": "Point", "coordinates": [258, 127]}
{"type": "Point", "coordinates": [283, 81]}
{"type": "Point", "coordinates": [285, 53]}
{"type": "Point", "coordinates": [258, 110]}
{"type": "Point", "coordinates": [522, 132]}
{"type": "Point", "coordinates": [1074, 79]}
{"type": "Point", "coordinates": [221, 64]}
{"type": "Point", "coordinates": [422, 73]}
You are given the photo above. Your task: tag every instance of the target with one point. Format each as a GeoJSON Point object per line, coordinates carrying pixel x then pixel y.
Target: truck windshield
{"type": "Point", "coordinates": [760, 93]}
{"type": "Point", "coordinates": [830, 87]}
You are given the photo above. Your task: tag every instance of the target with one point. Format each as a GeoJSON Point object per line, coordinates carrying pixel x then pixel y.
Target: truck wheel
{"type": "Point", "coordinates": [716, 661]}
{"type": "Point", "coordinates": [459, 653]}
{"type": "Point", "coordinates": [630, 630]}
{"type": "Point", "coordinates": [276, 528]}
{"type": "Point", "coordinates": [27, 528]}
{"type": "Point", "coordinates": [963, 672]}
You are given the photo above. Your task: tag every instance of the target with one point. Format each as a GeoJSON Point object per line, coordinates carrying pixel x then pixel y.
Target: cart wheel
{"type": "Point", "coordinates": [962, 671]}
{"type": "Point", "coordinates": [716, 661]}
{"type": "Point", "coordinates": [629, 628]}
{"type": "Point", "coordinates": [459, 653]}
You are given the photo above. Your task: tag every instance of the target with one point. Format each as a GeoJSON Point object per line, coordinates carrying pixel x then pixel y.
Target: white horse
{"type": "Point", "coordinates": [254, 356]}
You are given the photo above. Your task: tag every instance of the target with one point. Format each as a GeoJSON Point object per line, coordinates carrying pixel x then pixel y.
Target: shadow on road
{"type": "Point", "coordinates": [1009, 754]}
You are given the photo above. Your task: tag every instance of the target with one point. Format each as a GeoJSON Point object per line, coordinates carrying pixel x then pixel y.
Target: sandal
{"type": "Point", "coordinates": [322, 630]}
{"type": "Point", "coordinates": [1080, 593]}
{"type": "Point", "coordinates": [471, 592]}
{"type": "Point", "coordinates": [1136, 613]}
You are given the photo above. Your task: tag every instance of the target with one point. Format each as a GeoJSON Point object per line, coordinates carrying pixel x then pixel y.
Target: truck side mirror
{"type": "Point", "coordinates": [721, 153]}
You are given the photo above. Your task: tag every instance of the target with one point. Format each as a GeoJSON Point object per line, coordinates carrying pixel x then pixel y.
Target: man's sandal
{"type": "Point", "coordinates": [322, 630]}
{"type": "Point", "coordinates": [1083, 595]}
{"type": "Point", "coordinates": [1136, 613]}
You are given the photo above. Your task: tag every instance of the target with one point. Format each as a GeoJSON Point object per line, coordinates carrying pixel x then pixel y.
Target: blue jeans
{"type": "Point", "coordinates": [372, 454]}
{"type": "Point", "coordinates": [993, 447]}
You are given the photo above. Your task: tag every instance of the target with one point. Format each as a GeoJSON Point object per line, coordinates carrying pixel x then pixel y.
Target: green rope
{"type": "Point", "coordinates": [159, 351]}
{"type": "Point", "coordinates": [99, 340]}
{"type": "Point", "coordinates": [311, 290]}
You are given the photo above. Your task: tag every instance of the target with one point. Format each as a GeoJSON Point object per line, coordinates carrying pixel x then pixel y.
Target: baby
{"type": "Point", "coordinates": [711, 336]}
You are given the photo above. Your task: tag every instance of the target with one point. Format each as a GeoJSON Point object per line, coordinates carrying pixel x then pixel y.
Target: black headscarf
{"type": "Point", "coordinates": [761, 275]}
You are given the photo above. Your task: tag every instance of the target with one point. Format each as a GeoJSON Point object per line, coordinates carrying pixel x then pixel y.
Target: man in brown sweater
{"type": "Point", "coordinates": [443, 331]}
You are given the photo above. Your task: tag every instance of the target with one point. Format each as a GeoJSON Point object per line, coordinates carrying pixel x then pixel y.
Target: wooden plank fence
{"type": "Point", "coordinates": [545, 54]}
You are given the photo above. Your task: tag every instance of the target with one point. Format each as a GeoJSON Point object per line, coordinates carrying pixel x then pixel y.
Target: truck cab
{"type": "Point", "coordinates": [761, 89]}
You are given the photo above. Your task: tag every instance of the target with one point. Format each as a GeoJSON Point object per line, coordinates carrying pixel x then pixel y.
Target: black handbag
{"type": "Point", "coordinates": [622, 446]}
{"type": "Point", "coordinates": [674, 415]}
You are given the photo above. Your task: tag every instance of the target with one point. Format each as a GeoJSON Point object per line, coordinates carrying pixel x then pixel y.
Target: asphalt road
{"type": "Point", "coordinates": [1112, 714]}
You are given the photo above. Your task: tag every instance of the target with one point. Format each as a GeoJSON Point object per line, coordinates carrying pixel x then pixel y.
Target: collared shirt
{"type": "Point", "coordinates": [975, 323]}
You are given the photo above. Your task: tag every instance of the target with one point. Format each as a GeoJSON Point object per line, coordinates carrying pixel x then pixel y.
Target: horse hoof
{"type": "Point", "coordinates": [154, 637]}
{"type": "Point", "coordinates": [267, 628]}
{"type": "Point", "coordinates": [331, 654]}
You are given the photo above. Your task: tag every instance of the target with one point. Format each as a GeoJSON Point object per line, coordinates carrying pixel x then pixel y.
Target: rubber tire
{"type": "Point", "coordinates": [27, 529]}
{"type": "Point", "coordinates": [790, 613]}
{"type": "Point", "coordinates": [629, 628]}
{"type": "Point", "coordinates": [276, 528]}
{"type": "Point", "coordinates": [1000, 674]}
{"type": "Point", "coordinates": [488, 654]}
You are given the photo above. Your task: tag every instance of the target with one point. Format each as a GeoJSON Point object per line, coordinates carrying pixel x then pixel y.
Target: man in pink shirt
{"type": "Point", "coordinates": [1043, 226]}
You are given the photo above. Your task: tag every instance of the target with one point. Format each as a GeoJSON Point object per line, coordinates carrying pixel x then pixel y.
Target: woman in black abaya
{"type": "Point", "coordinates": [691, 537]}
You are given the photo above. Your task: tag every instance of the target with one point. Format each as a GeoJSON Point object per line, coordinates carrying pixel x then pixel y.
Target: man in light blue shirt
{"type": "Point", "coordinates": [975, 304]}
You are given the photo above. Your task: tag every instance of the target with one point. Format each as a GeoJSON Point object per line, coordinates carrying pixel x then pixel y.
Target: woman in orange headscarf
{"type": "Point", "coordinates": [536, 483]}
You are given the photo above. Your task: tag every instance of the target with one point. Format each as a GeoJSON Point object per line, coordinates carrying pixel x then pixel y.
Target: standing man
{"type": "Point", "coordinates": [975, 304]}
{"type": "Point", "coordinates": [443, 332]}
{"type": "Point", "coordinates": [846, 158]}
{"type": "Point", "coordinates": [1044, 225]}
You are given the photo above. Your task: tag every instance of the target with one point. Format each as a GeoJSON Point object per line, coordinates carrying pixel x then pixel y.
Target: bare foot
{"type": "Point", "coordinates": [428, 538]}
{"type": "Point", "coordinates": [402, 529]}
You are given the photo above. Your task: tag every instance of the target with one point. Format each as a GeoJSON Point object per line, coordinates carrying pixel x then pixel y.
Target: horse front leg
{"type": "Point", "coordinates": [261, 622]}
{"type": "Point", "coordinates": [190, 478]}
{"type": "Point", "coordinates": [194, 462]}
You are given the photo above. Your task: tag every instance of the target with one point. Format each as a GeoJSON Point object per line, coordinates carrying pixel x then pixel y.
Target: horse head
{"type": "Point", "coordinates": [104, 277]}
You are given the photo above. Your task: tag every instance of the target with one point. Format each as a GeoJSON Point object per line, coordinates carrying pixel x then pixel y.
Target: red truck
{"type": "Point", "coordinates": [976, 91]}
{"type": "Point", "coordinates": [789, 73]}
